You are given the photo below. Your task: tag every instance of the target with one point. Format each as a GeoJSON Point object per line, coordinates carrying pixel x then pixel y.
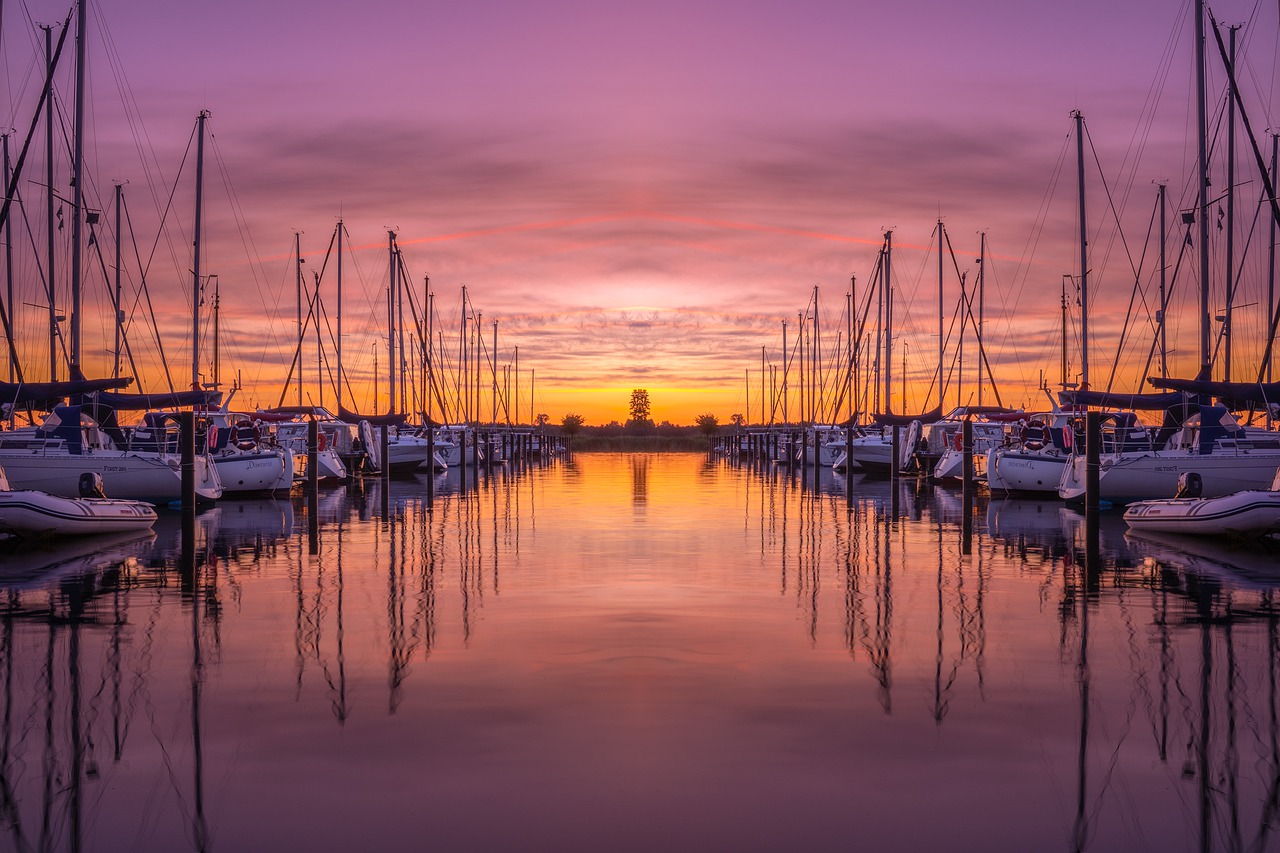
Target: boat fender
{"type": "Point", "coordinates": [322, 442]}
{"type": "Point", "coordinates": [1068, 436]}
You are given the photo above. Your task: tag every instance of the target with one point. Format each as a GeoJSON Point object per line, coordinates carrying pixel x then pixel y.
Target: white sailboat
{"type": "Point", "coordinates": [70, 443]}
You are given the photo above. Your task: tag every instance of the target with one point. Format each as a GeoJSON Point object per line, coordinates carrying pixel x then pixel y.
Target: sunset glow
{"type": "Point", "coordinates": [639, 195]}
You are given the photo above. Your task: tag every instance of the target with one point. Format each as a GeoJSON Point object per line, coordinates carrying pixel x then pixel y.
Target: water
{"type": "Point", "coordinates": [639, 652]}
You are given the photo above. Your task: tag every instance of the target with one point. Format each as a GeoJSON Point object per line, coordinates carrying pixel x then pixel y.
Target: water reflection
{"type": "Point", "coordinates": [531, 658]}
{"type": "Point", "coordinates": [1188, 651]}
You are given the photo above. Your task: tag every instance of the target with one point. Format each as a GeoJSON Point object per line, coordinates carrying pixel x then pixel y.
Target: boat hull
{"type": "Point", "coordinates": [1152, 476]}
{"type": "Point", "coordinates": [256, 471]}
{"type": "Point", "coordinates": [1244, 514]}
{"type": "Point", "coordinates": [1025, 472]}
{"type": "Point", "coordinates": [33, 513]}
{"type": "Point", "coordinates": [125, 474]}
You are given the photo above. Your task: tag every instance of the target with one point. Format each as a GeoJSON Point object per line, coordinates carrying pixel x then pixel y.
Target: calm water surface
{"type": "Point", "coordinates": [639, 652]}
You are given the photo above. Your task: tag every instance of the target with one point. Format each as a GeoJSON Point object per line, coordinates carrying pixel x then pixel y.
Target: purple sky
{"type": "Point", "coordinates": [640, 193]}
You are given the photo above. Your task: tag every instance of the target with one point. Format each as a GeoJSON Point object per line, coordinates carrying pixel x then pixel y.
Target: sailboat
{"type": "Point", "coordinates": [406, 452]}
{"type": "Point", "coordinates": [874, 451]}
{"type": "Point", "coordinates": [1209, 442]}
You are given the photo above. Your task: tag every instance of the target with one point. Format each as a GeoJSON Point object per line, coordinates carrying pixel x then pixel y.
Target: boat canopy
{"type": "Point", "coordinates": [163, 400]}
{"type": "Point", "coordinates": [1235, 395]}
{"type": "Point", "coordinates": [1121, 400]}
{"type": "Point", "coordinates": [320, 413]}
{"type": "Point", "coordinates": [47, 395]}
{"type": "Point", "coordinates": [389, 419]}
{"type": "Point", "coordinates": [931, 416]}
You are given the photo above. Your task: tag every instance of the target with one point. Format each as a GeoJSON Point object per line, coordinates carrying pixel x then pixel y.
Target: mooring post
{"type": "Point", "coordinates": [187, 443]}
{"type": "Point", "coordinates": [817, 463]}
{"type": "Point", "coordinates": [894, 446]}
{"type": "Point", "coordinates": [1092, 489]}
{"type": "Point", "coordinates": [431, 463]}
{"type": "Point", "coordinates": [313, 452]}
{"type": "Point", "coordinates": [1093, 455]}
{"type": "Point", "coordinates": [848, 466]}
{"type": "Point", "coordinates": [968, 487]}
{"type": "Point", "coordinates": [462, 471]}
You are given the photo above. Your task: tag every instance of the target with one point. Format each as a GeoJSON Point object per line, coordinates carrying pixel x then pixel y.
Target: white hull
{"type": "Point", "coordinates": [1154, 475]}
{"type": "Point", "coordinates": [1244, 514]}
{"type": "Point", "coordinates": [1025, 471]}
{"type": "Point", "coordinates": [125, 474]}
{"type": "Point", "coordinates": [253, 470]}
{"type": "Point", "coordinates": [330, 464]}
{"type": "Point", "coordinates": [32, 513]}
{"type": "Point", "coordinates": [406, 453]}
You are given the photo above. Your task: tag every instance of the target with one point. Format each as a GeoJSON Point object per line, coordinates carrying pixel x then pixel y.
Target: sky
{"type": "Point", "coordinates": [638, 193]}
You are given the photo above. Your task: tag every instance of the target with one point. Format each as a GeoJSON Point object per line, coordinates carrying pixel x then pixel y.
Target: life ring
{"type": "Point", "coordinates": [247, 435]}
{"type": "Point", "coordinates": [1033, 435]}
{"type": "Point", "coordinates": [322, 442]}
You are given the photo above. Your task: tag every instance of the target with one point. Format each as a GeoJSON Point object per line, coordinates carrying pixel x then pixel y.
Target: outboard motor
{"type": "Point", "coordinates": [91, 485]}
{"type": "Point", "coordinates": [1190, 485]}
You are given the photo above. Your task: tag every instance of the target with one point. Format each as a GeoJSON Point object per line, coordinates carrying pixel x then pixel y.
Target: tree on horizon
{"type": "Point", "coordinates": [640, 409]}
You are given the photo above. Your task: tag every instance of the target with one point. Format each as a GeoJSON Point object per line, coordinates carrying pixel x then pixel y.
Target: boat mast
{"type": "Point", "coordinates": [1203, 179]}
{"type": "Point", "coordinates": [1231, 205]}
{"type": "Point", "coordinates": [982, 304]}
{"type": "Point", "coordinates": [297, 282]}
{"type": "Point", "coordinates": [217, 304]}
{"type": "Point", "coordinates": [464, 394]}
{"type": "Point", "coordinates": [1164, 298]}
{"type": "Point", "coordinates": [8, 272]}
{"type": "Point", "coordinates": [341, 231]}
{"type": "Point", "coordinates": [1063, 362]}
{"type": "Point", "coordinates": [1084, 256]}
{"type": "Point", "coordinates": [391, 320]}
{"type": "Point", "coordinates": [851, 386]}
{"type": "Point", "coordinates": [315, 313]}
{"type": "Point", "coordinates": [77, 191]}
{"type": "Point", "coordinates": [804, 412]}
{"type": "Point", "coordinates": [762, 394]}
{"type": "Point", "coordinates": [119, 324]}
{"type": "Point", "coordinates": [786, 364]}
{"type": "Point", "coordinates": [8, 269]}
{"type": "Point", "coordinates": [49, 227]}
{"type": "Point", "coordinates": [816, 369]}
{"type": "Point", "coordinates": [1271, 259]}
{"type": "Point", "coordinates": [887, 291]}
{"type": "Point", "coordinates": [195, 271]}
{"type": "Point", "coordinates": [942, 345]}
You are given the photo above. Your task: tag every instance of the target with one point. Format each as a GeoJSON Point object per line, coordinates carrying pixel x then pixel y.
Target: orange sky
{"type": "Point", "coordinates": [639, 196]}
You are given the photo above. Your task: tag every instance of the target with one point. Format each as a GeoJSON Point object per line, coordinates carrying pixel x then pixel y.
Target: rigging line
{"type": "Point", "coordinates": [253, 257]}
{"type": "Point", "coordinates": [312, 296]}
{"type": "Point", "coordinates": [1173, 280]}
{"type": "Point", "coordinates": [145, 290]}
{"type": "Point", "coordinates": [1133, 295]}
{"type": "Point", "coordinates": [1111, 205]}
{"type": "Point", "coordinates": [967, 305]}
{"type": "Point", "coordinates": [106, 282]}
{"type": "Point", "coordinates": [45, 93]}
{"type": "Point", "coordinates": [168, 206]}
